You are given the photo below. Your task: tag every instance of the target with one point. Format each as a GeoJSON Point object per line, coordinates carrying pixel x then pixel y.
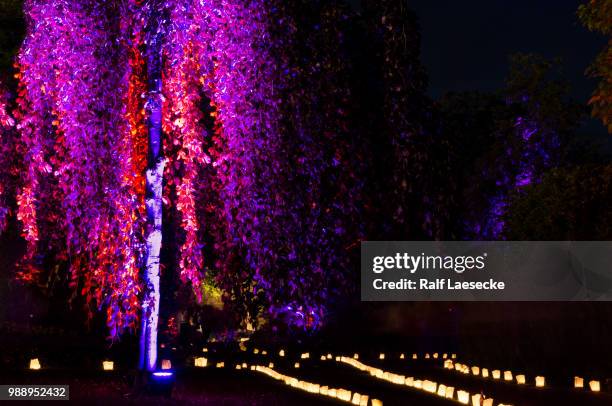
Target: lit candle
{"type": "Point", "coordinates": [200, 362]}
{"type": "Point", "coordinates": [34, 363]}
{"type": "Point", "coordinates": [595, 386]}
{"type": "Point", "coordinates": [430, 386]}
{"type": "Point", "coordinates": [463, 397]}
{"type": "Point", "coordinates": [166, 364]}
{"type": "Point", "coordinates": [296, 365]}
{"type": "Point", "coordinates": [496, 374]}
{"type": "Point", "coordinates": [381, 356]}
{"type": "Point", "coordinates": [520, 379]}
{"type": "Point", "coordinates": [578, 382]}
{"type": "Point", "coordinates": [540, 381]}
{"type": "Point", "coordinates": [450, 392]}
{"type": "Point", "coordinates": [476, 400]}
{"type": "Point", "coordinates": [485, 373]}
{"type": "Point", "coordinates": [108, 365]}
{"type": "Point", "coordinates": [507, 375]}
{"type": "Point", "coordinates": [475, 371]}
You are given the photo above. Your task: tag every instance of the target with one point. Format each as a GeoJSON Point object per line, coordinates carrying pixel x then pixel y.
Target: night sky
{"type": "Point", "coordinates": [465, 44]}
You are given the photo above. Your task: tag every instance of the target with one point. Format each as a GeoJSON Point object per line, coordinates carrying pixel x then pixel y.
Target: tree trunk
{"type": "Point", "coordinates": [154, 183]}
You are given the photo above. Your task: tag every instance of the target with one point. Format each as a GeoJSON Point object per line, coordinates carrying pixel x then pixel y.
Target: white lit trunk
{"type": "Point", "coordinates": [153, 242]}
{"type": "Point", "coordinates": [153, 197]}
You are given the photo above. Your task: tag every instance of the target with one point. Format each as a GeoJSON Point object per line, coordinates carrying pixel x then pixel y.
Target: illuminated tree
{"type": "Point", "coordinates": [8, 165]}
{"type": "Point", "coordinates": [204, 112]}
{"type": "Point", "coordinates": [530, 137]}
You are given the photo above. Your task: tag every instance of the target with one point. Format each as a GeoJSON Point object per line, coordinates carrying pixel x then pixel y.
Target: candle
{"type": "Point", "coordinates": [34, 363]}
{"type": "Point", "coordinates": [595, 386]}
{"type": "Point", "coordinates": [463, 397]}
{"type": "Point", "coordinates": [578, 382]}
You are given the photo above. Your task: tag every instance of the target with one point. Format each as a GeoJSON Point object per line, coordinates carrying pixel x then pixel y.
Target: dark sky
{"type": "Point", "coordinates": [465, 44]}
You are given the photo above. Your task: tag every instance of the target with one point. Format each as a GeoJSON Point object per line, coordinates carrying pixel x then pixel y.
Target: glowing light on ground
{"type": "Point", "coordinates": [578, 382]}
{"type": "Point", "coordinates": [341, 394]}
{"type": "Point", "coordinates": [164, 374]}
{"type": "Point", "coordinates": [431, 387]}
{"type": "Point", "coordinates": [201, 362]}
{"type": "Point", "coordinates": [595, 386]}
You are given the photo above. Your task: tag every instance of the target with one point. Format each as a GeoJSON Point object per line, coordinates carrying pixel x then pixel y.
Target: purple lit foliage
{"type": "Point", "coordinates": [8, 166]}
{"type": "Point", "coordinates": [273, 183]}
{"type": "Point", "coordinates": [532, 139]}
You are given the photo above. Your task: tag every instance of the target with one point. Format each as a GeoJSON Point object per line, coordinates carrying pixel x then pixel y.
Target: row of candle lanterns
{"type": "Point", "coordinates": [435, 355]}
{"type": "Point", "coordinates": [539, 381]}
{"type": "Point", "coordinates": [344, 395]}
{"type": "Point", "coordinates": [441, 390]}
{"type": "Point", "coordinates": [106, 365]}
